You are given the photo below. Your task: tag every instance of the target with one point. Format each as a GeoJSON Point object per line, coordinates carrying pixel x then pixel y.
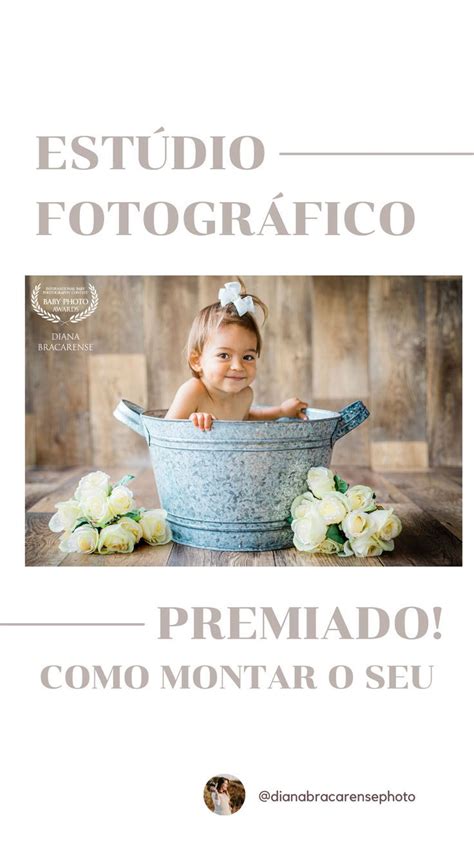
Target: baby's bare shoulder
{"type": "Point", "coordinates": [191, 387]}
{"type": "Point", "coordinates": [187, 399]}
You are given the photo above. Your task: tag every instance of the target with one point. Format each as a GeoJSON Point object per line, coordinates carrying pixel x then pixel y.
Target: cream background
{"type": "Point", "coordinates": [309, 75]}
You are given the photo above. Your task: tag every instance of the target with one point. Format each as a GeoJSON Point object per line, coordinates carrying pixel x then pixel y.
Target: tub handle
{"type": "Point", "coordinates": [131, 414]}
{"type": "Point", "coordinates": [351, 416]}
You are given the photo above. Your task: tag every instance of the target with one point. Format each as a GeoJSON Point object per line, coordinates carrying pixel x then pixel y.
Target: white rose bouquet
{"type": "Point", "coordinates": [333, 518]}
{"type": "Point", "coordinates": [103, 518]}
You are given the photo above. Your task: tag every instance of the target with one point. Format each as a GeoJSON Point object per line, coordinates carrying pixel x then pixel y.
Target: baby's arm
{"type": "Point", "coordinates": [185, 405]}
{"type": "Point", "coordinates": [291, 408]}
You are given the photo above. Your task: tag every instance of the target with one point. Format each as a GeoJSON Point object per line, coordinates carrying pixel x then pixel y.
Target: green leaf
{"type": "Point", "coordinates": [335, 534]}
{"type": "Point", "coordinates": [124, 481]}
{"type": "Point", "coordinates": [134, 514]}
{"type": "Point", "coordinates": [80, 522]}
{"type": "Point", "coordinates": [341, 484]}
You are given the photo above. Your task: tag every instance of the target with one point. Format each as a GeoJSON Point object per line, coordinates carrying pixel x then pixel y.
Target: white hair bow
{"type": "Point", "coordinates": [230, 294]}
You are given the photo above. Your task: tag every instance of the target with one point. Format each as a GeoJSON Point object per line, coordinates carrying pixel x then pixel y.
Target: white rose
{"type": "Point", "coordinates": [95, 507]}
{"type": "Point", "coordinates": [64, 542]}
{"type": "Point", "coordinates": [361, 497]}
{"type": "Point", "coordinates": [308, 531]}
{"type": "Point", "coordinates": [333, 507]}
{"type": "Point", "coordinates": [84, 539]}
{"type": "Point", "coordinates": [385, 524]}
{"type": "Point", "coordinates": [302, 504]}
{"type": "Point", "coordinates": [132, 525]}
{"type": "Point", "coordinates": [115, 539]}
{"type": "Point", "coordinates": [66, 516]}
{"type": "Point", "coordinates": [95, 481]}
{"type": "Point", "coordinates": [328, 547]}
{"type": "Point", "coordinates": [321, 481]}
{"type": "Point", "coordinates": [155, 527]}
{"type": "Point", "coordinates": [356, 523]}
{"type": "Point", "coordinates": [346, 549]}
{"type": "Point", "coordinates": [120, 500]}
{"type": "Point", "coordinates": [370, 545]}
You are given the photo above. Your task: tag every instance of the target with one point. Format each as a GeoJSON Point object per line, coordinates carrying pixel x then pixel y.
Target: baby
{"type": "Point", "coordinates": [223, 347]}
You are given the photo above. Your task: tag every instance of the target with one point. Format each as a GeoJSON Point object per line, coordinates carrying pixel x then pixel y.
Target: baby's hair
{"type": "Point", "coordinates": [214, 316]}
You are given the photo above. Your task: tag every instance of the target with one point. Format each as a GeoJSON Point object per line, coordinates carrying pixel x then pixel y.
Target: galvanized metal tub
{"type": "Point", "coordinates": [231, 488]}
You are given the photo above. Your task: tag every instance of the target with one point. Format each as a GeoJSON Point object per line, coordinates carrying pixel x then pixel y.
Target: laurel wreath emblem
{"type": "Point", "coordinates": [78, 317]}
{"type": "Point", "coordinates": [55, 317]}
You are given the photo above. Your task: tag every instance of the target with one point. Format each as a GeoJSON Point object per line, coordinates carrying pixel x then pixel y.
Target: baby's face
{"type": "Point", "coordinates": [228, 361]}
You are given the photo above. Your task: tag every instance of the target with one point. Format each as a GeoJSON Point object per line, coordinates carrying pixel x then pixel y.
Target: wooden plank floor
{"type": "Point", "coordinates": [428, 503]}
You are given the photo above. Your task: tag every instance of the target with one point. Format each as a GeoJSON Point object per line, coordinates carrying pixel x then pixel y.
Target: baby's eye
{"type": "Point", "coordinates": [249, 358]}
{"type": "Point", "coordinates": [223, 356]}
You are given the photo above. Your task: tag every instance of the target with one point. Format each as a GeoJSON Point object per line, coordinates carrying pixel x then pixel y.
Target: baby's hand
{"type": "Point", "coordinates": [293, 408]}
{"type": "Point", "coordinates": [203, 420]}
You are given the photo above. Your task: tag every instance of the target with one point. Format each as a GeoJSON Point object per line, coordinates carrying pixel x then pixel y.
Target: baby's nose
{"type": "Point", "coordinates": [236, 364]}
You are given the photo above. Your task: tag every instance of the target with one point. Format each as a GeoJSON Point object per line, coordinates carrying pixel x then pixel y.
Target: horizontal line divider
{"type": "Point", "coordinates": [420, 154]}
{"type": "Point", "coordinates": [72, 624]}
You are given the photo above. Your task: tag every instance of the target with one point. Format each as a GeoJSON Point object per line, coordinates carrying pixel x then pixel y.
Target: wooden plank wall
{"type": "Point", "coordinates": [394, 342]}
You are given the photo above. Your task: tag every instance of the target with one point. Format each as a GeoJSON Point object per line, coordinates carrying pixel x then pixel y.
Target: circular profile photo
{"type": "Point", "coordinates": [224, 795]}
